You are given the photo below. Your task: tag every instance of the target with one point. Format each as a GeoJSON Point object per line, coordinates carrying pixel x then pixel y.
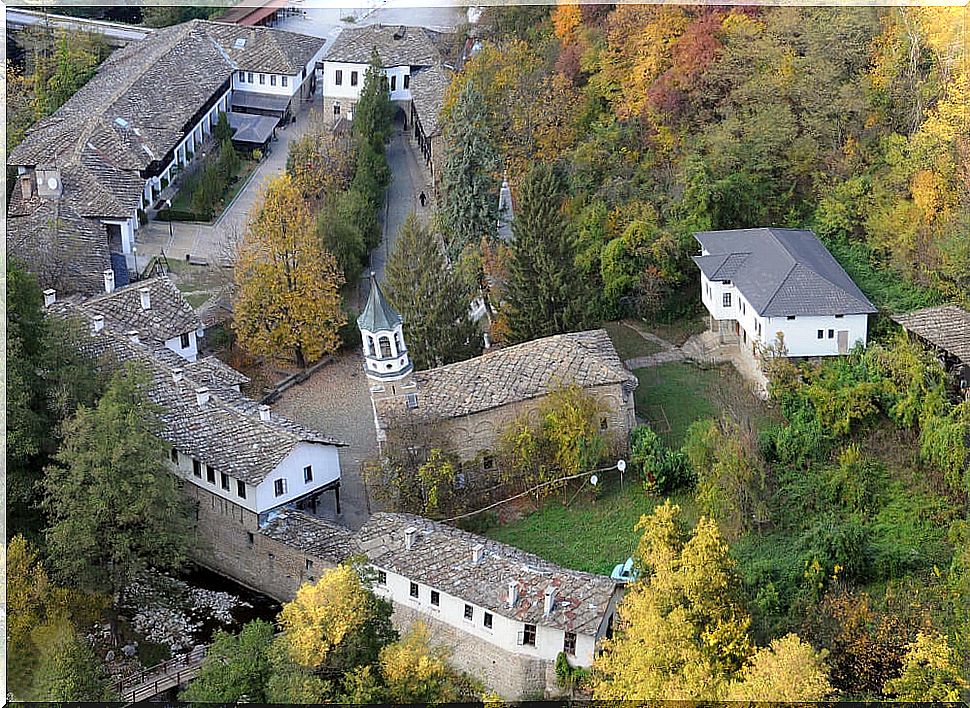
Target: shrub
{"type": "Point", "coordinates": [180, 215]}
{"type": "Point", "coordinates": [661, 469]}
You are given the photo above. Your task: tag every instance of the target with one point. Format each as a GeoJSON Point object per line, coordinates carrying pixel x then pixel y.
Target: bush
{"type": "Point", "coordinates": [180, 215]}
{"type": "Point", "coordinates": [661, 469]}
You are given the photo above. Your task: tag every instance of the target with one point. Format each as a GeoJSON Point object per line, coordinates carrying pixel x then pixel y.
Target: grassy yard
{"type": "Point", "coordinates": [183, 198]}
{"type": "Point", "coordinates": [591, 534]}
{"type": "Point", "coordinates": [628, 343]}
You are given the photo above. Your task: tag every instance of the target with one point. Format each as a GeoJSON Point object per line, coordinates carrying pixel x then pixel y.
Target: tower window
{"type": "Point", "coordinates": [397, 343]}
{"type": "Point", "coordinates": [371, 348]}
{"type": "Point", "coordinates": [385, 347]}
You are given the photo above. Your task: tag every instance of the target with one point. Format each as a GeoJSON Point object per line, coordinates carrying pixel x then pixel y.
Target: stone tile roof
{"type": "Point", "coordinates": [947, 327]}
{"type": "Point", "coordinates": [226, 432]}
{"type": "Point", "coordinates": [781, 272]}
{"type": "Point", "coordinates": [518, 373]}
{"type": "Point", "coordinates": [428, 88]}
{"type": "Point", "coordinates": [310, 535]}
{"type": "Point", "coordinates": [268, 50]}
{"type": "Point", "coordinates": [168, 316]}
{"type": "Point", "coordinates": [397, 45]}
{"type": "Point", "coordinates": [65, 250]}
{"type": "Point", "coordinates": [441, 557]}
{"type": "Point", "coordinates": [212, 372]}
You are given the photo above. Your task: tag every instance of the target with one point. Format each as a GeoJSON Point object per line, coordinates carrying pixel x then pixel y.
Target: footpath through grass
{"type": "Point", "coordinates": [628, 343]}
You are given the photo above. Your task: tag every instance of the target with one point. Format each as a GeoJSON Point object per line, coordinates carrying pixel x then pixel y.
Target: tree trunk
{"type": "Point", "coordinates": [300, 359]}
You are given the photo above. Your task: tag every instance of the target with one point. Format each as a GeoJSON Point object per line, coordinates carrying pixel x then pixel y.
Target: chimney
{"type": "Point", "coordinates": [488, 340]}
{"type": "Point", "coordinates": [146, 298]}
{"type": "Point", "coordinates": [98, 323]}
{"type": "Point", "coordinates": [109, 281]}
{"type": "Point", "coordinates": [264, 413]}
{"type": "Point", "coordinates": [409, 533]}
{"type": "Point", "coordinates": [549, 600]}
{"type": "Point", "coordinates": [49, 182]}
{"type": "Point", "coordinates": [50, 297]}
{"type": "Point", "coordinates": [513, 592]}
{"type": "Point", "coordinates": [477, 553]}
{"type": "Point", "coordinates": [202, 396]}
{"type": "Point", "coordinates": [177, 375]}
{"type": "Point", "coordinates": [132, 335]}
{"type": "Point", "coordinates": [26, 186]}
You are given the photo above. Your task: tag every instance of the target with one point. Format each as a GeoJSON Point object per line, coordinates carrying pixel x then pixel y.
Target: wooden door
{"type": "Point", "coordinates": [843, 341]}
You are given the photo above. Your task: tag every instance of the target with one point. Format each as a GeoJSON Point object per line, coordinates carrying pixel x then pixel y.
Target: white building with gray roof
{"type": "Point", "coordinates": [505, 613]}
{"type": "Point", "coordinates": [86, 171]}
{"type": "Point", "coordinates": [780, 289]}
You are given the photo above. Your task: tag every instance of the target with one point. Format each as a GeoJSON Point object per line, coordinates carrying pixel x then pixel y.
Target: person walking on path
{"type": "Point", "coordinates": [422, 198]}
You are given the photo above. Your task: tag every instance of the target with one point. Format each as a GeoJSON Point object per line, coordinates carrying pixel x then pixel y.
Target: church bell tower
{"type": "Point", "coordinates": [386, 361]}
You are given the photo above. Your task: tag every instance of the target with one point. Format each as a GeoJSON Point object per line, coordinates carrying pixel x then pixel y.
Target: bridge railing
{"type": "Point", "coordinates": [161, 676]}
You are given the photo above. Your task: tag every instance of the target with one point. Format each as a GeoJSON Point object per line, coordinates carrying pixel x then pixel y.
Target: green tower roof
{"type": "Point", "coordinates": [378, 314]}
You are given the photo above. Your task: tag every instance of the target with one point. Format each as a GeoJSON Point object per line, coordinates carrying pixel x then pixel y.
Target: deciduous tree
{"type": "Point", "coordinates": [112, 505]}
{"type": "Point", "coordinates": [931, 672]}
{"type": "Point", "coordinates": [236, 667]}
{"type": "Point", "coordinates": [288, 298]}
{"type": "Point", "coordinates": [788, 671]}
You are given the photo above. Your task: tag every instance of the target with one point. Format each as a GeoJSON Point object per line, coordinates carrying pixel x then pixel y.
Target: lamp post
{"type": "Point", "coordinates": [171, 232]}
{"type": "Point", "coordinates": [621, 465]}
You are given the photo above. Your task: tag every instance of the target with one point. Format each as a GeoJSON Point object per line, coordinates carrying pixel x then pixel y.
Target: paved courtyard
{"type": "Point", "coordinates": [335, 401]}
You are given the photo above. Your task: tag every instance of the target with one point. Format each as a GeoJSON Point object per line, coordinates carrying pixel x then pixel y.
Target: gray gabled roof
{"type": "Point", "coordinates": [946, 327]}
{"type": "Point", "coordinates": [441, 557]}
{"type": "Point", "coordinates": [169, 314]}
{"type": "Point", "coordinates": [378, 315]}
{"type": "Point", "coordinates": [781, 272]}
{"type": "Point", "coordinates": [397, 45]}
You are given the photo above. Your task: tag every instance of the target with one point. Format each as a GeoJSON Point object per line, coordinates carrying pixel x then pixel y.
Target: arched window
{"type": "Point", "coordinates": [385, 347]}
{"type": "Point", "coordinates": [371, 349]}
{"type": "Point", "coordinates": [397, 343]}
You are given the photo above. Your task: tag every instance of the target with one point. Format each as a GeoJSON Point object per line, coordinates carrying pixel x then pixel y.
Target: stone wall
{"type": "Point", "coordinates": [512, 676]}
{"type": "Point", "coordinates": [229, 543]}
{"type": "Point", "coordinates": [473, 434]}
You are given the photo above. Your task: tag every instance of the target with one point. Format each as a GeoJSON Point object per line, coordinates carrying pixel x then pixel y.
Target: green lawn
{"type": "Point", "coordinates": [183, 198]}
{"type": "Point", "coordinates": [628, 343]}
{"type": "Point", "coordinates": [591, 534]}
{"type": "Point", "coordinates": [679, 393]}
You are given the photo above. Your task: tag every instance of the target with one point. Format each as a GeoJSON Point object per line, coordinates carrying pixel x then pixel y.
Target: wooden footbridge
{"type": "Point", "coordinates": [163, 677]}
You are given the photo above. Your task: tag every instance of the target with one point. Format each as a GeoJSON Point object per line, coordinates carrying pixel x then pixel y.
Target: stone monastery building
{"type": "Point", "coordinates": [472, 402]}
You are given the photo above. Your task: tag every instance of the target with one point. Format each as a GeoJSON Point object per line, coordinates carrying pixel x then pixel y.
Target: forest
{"type": "Point", "coordinates": [666, 120]}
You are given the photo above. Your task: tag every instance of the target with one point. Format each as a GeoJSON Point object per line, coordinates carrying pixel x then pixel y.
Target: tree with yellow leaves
{"type": "Point", "coordinates": [416, 672]}
{"type": "Point", "coordinates": [288, 297]}
{"type": "Point", "coordinates": [930, 672]}
{"type": "Point", "coordinates": [336, 621]}
{"type": "Point", "coordinates": [683, 632]}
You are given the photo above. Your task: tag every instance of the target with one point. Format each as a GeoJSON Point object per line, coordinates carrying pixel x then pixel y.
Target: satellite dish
{"type": "Point", "coordinates": [621, 465]}
{"type": "Point", "coordinates": [52, 183]}
{"type": "Point", "coordinates": [593, 480]}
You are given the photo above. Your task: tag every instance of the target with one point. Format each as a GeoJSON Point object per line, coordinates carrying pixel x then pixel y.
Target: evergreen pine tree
{"type": "Point", "coordinates": [432, 299]}
{"type": "Point", "coordinates": [543, 295]}
{"type": "Point", "coordinates": [372, 114]}
{"type": "Point", "coordinates": [469, 173]}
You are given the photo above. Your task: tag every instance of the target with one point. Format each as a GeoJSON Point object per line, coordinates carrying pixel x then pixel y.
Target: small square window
{"type": "Point", "coordinates": [393, 83]}
{"type": "Point", "coordinates": [488, 462]}
{"type": "Point", "coordinates": [791, 317]}
{"type": "Point", "coordinates": [435, 598]}
{"type": "Point", "coordinates": [309, 564]}
{"type": "Point", "coordinates": [831, 333]}
{"type": "Point", "coordinates": [210, 474]}
{"type": "Point", "coordinates": [414, 589]}
{"type": "Point", "coordinates": [272, 79]}
{"type": "Point", "coordinates": [279, 487]}
{"type": "Point", "coordinates": [240, 489]}
{"type": "Point", "coordinates": [569, 644]}
{"type": "Point", "coordinates": [726, 300]}
{"type": "Point", "coordinates": [839, 317]}
{"type": "Point", "coordinates": [529, 635]}
{"type": "Point", "coordinates": [821, 334]}
{"type": "Point", "coordinates": [407, 80]}
{"type": "Point", "coordinates": [250, 539]}
{"type": "Point", "coordinates": [336, 109]}
{"type": "Point", "coordinates": [224, 479]}
{"type": "Point", "coordinates": [308, 473]}
{"type": "Point", "coordinates": [184, 340]}
{"type": "Point", "coordinates": [487, 620]}
{"type": "Point", "coordinates": [381, 577]}
{"type": "Point", "coordinates": [353, 78]}
{"type": "Point", "coordinates": [197, 468]}
{"type": "Point", "coordinates": [469, 612]}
